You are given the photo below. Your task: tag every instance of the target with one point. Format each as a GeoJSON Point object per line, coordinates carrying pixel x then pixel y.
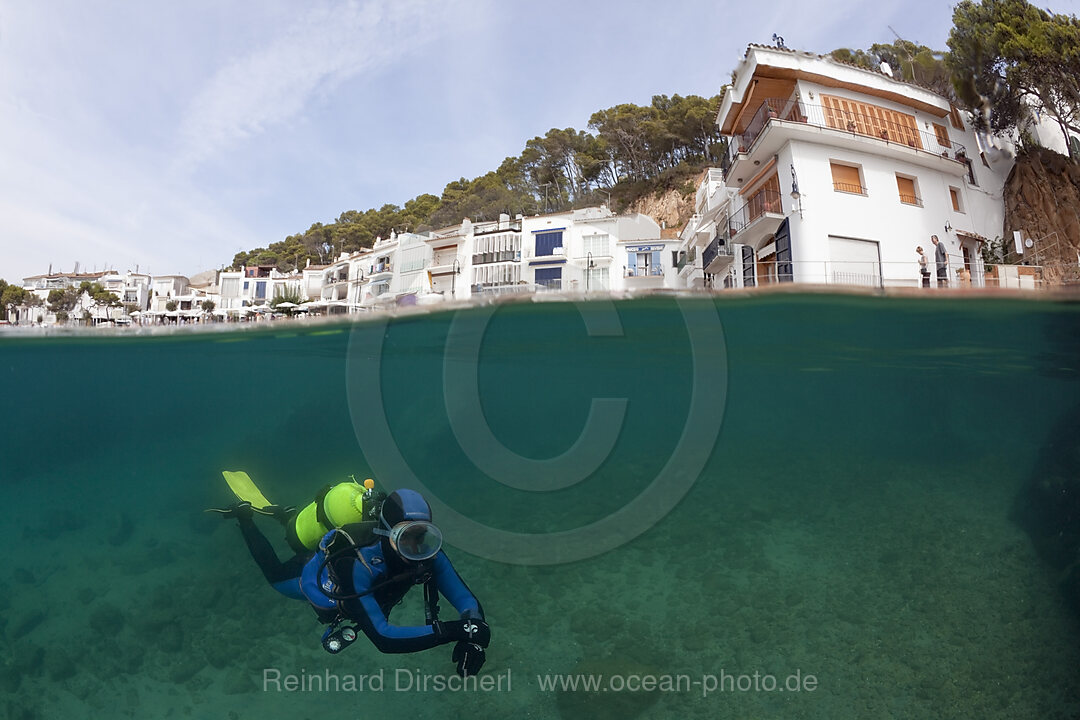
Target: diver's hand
{"type": "Point", "coordinates": [470, 630]}
{"type": "Point", "coordinates": [469, 658]}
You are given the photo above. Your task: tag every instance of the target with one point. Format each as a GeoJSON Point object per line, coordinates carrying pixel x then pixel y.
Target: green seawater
{"type": "Point", "coordinates": [700, 491]}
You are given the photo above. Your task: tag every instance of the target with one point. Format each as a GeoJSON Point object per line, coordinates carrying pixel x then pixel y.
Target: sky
{"type": "Point", "coordinates": [169, 136]}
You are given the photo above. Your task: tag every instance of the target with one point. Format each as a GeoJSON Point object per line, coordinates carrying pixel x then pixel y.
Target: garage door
{"type": "Point", "coordinates": [854, 262]}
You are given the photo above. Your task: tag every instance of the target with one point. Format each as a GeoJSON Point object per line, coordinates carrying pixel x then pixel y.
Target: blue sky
{"type": "Point", "coordinates": [172, 135]}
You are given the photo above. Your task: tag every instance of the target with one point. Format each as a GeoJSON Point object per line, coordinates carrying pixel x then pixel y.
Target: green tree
{"type": "Point", "coordinates": [908, 61]}
{"type": "Point", "coordinates": [288, 294]}
{"type": "Point", "coordinates": [14, 296]}
{"type": "Point", "coordinates": [208, 305]}
{"type": "Point", "coordinates": [1003, 52]}
{"type": "Point", "coordinates": [171, 306]}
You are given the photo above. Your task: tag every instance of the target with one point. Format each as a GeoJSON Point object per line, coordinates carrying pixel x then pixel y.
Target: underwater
{"type": "Point", "coordinates": [767, 505]}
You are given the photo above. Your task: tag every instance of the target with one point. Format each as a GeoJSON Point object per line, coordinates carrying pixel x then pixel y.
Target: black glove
{"type": "Point", "coordinates": [469, 658]}
{"type": "Point", "coordinates": [471, 631]}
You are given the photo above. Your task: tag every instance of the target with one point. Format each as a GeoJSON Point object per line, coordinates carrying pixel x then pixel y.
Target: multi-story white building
{"type": "Point", "coordinates": [252, 286]}
{"type": "Point", "coordinates": [593, 249]}
{"type": "Point", "coordinates": [42, 285]}
{"type": "Point", "coordinates": [167, 288]}
{"type": "Point", "coordinates": [839, 172]}
{"type": "Point", "coordinates": [130, 288]}
{"type": "Point", "coordinates": [710, 220]}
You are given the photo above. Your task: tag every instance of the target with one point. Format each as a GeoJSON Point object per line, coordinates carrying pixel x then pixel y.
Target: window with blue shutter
{"type": "Point", "coordinates": [631, 264]}
{"type": "Point", "coordinates": [549, 277]}
{"type": "Point", "coordinates": [657, 267]}
{"type": "Point", "coordinates": [547, 242]}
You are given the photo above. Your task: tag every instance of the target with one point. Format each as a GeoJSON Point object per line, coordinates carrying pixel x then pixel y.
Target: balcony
{"type": "Point", "coordinates": [686, 259]}
{"type": "Point", "coordinates": [758, 218]}
{"type": "Point", "coordinates": [496, 256]}
{"type": "Point", "coordinates": [380, 269]}
{"type": "Point", "coordinates": [718, 255]}
{"type": "Point", "coordinates": [811, 122]}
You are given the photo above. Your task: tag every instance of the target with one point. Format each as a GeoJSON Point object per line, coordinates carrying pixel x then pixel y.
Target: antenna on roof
{"type": "Point", "coordinates": [778, 41]}
{"type": "Point", "coordinates": [911, 60]}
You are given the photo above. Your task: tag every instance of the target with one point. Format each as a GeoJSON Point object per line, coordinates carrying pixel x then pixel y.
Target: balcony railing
{"type": "Point", "coordinates": [383, 267]}
{"type": "Point", "coordinates": [766, 200]}
{"type": "Point", "coordinates": [849, 188]}
{"type": "Point", "coordinates": [496, 256]}
{"type": "Point", "coordinates": [876, 274]}
{"type": "Point", "coordinates": [647, 271]}
{"type": "Point", "coordinates": [797, 111]}
{"type": "Point", "coordinates": [717, 247]}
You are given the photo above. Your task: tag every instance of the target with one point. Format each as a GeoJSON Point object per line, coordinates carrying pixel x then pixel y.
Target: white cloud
{"type": "Point", "coordinates": [272, 84]}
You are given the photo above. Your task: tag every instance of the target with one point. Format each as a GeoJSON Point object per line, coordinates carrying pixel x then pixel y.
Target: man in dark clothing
{"type": "Point", "coordinates": [941, 256]}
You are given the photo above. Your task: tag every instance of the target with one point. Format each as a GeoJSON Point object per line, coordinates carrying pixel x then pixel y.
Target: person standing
{"type": "Point", "coordinates": [924, 269]}
{"type": "Point", "coordinates": [941, 257]}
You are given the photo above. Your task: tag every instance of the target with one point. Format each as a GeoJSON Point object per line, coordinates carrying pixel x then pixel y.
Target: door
{"type": "Point", "coordinates": [854, 262]}
{"type": "Point", "coordinates": [784, 270]}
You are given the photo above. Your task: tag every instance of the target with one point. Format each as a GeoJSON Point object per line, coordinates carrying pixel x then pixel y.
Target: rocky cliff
{"type": "Point", "coordinates": [670, 208]}
{"type": "Point", "coordinates": [1042, 197]}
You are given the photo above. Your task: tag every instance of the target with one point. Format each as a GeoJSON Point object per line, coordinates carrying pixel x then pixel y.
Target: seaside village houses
{"type": "Point", "coordinates": [834, 175]}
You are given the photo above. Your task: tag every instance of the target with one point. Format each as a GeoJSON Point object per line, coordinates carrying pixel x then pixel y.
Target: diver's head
{"type": "Point", "coordinates": [406, 525]}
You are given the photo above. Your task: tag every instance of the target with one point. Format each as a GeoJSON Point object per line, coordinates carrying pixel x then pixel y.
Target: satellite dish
{"type": "Point", "coordinates": [886, 68]}
{"type": "Point", "coordinates": [1029, 242]}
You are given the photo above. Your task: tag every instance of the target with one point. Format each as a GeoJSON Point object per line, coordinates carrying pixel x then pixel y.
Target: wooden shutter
{"type": "Point", "coordinates": [955, 197]}
{"type": "Point", "coordinates": [846, 178]}
{"type": "Point", "coordinates": [942, 133]}
{"type": "Point", "coordinates": [906, 186]}
{"type": "Point", "coordinates": [867, 119]}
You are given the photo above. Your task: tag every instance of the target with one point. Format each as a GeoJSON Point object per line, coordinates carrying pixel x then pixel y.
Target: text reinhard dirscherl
{"type": "Point", "coordinates": [402, 680]}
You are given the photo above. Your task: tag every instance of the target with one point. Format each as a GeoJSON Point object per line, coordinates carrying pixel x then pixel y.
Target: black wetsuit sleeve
{"type": "Point", "coordinates": [367, 614]}
{"type": "Point", "coordinates": [262, 551]}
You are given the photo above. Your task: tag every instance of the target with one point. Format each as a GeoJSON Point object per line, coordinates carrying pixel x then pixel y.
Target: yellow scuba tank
{"type": "Point", "coordinates": [334, 506]}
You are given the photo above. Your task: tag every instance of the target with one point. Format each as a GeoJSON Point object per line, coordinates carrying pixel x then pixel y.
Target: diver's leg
{"type": "Point", "coordinates": [282, 576]}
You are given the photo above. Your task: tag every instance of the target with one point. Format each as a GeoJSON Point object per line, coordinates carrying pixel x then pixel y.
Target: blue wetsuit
{"type": "Point", "coordinates": [295, 578]}
{"type": "Point", "coordinates": [371, 611]}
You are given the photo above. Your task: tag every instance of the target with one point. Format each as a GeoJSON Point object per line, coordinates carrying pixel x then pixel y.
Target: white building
{"type": "Point", "coordinates": [593, 249]}
{"type": "Point", "coordinates": [710, 220]}
{"type": "Point", "coordinates": [42, 285]}
{"type": "Point", "coordinates": [130, 288]}
{"type": "Point", "coordinates": [840, 172]}
{"type": "Point", "coordinates": [252, 286]}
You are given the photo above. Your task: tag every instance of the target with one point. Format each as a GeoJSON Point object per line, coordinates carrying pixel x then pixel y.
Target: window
{"type": "Point", "coordinates": [866, 119]}
{"type": "Point", "coordinates": [246, 283]}
{"type": "Point", "coordinates": [550, 278]}
{"type": "Point", "coordinates": [597, 245]}
{"type": "Point", "coordinates": [846, 179]}
{"type": "Point", "coordinates": [942, 133]}
{"type": "Point", "coordinates": [954, 117]}
{"type": "Point", "coordinates": [957, 202]}
{"type": "Point", "coordinates": [230, 287]}
{"type": "Point", "coordinates": [596, 279]}
{"type": "Point", "coordinates": [547, 242]}
{"type": "Point", "coordinates": [260, 290]}
{"type": "Point", "coordinates": [906, 187]}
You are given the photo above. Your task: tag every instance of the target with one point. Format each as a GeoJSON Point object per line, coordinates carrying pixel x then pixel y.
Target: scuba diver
{"type": "Point", "coordinates": [358, 553]}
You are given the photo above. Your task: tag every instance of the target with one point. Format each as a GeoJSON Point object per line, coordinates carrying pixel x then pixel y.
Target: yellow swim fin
{"type": "Point", "coordinates": [244, 488]}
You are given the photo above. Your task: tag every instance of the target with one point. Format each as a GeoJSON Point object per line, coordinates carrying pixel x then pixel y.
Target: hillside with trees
{"type": "Point", "coordinates": [629, 151]}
